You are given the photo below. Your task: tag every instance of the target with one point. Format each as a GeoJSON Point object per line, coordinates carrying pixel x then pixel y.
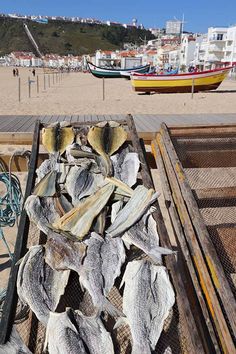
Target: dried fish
{"type": "Point", "coordinates": [144, 235]}
{"type": "Point", "coordinates": [62, 253]}
{"type": "Point", "coordinates": [95, 275]}
{"type": "Point", "coordinates": [147, 300]}
{"type": "Point", "coordinates": [41, 211]}
{"type": "Point", "coordinates": [106, 139]}
{"type": "Point", "coordinates": [139, 202]}
{"type": "Point", "coordinates": [126, 166]}
{"type": "Point", "coordinates": [94, 334]}
{"type": "Point", "coordinates": [47, 185]}
{"type": "Point", "coordinates": [81, 183]}
{"type": "Point", "coordinates": [57, 137]}
{"type": "Point", "coordinates": [62, 336]}
{"type": "Point", "coordinates": [79, 220]}
{"type": "Point", "coordinates": [15, 344]}
{"type": "Point", "coordinates": [122, 188]}
{"type": "Point", "coordinates": [38, 285]}
{"type": "Point", "coordinates": [72, 332]}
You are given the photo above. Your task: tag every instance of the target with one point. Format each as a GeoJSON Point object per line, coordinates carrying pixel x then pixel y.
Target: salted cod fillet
{"type": "Point", "coordinates": [79, 220]}
{"type": "Point", "coordinates": [139, 202]}
{"type": "Point", "coordinates": [15, 345]}
{"type": "Point", "coordinates": [71, 332]}
{"type": "Point", "coordinates": [38, 285]}
{"type": "Point", "coordinates": [147, 299]}
{"type": "Point", "coordinates": [62, 253]}
{"type": "Point", "coordinates": [41, 212]}
{"type": "Point", "coordinates": [98, 275]}
{"type": "Point", "coordinates": [144, 235]}
{"type": "Point", "coordinates": [126, 166]}
{"type": "Point", "coordinates": [81, 183]}
{"type": "Point", "coordinates": [56, 138]}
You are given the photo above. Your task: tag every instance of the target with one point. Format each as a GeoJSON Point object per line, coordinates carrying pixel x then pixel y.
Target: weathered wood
{"type": "Point", "coordinates": [203, 131]}
{"type": "Point", "coordinates": [205, 335]}
{"type": "Point", "coordinates": [212, 261]}
{"type": "Point", "coordinates": [9, 306]}
{"type": "Point", "coordinates": [16, 138]}
{"type": "Point", "coordinates": [216, 193]}
{"type": "Point", "coordinates": [189, 323]}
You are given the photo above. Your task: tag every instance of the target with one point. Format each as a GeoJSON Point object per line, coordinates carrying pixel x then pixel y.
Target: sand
{"type": "Point", "coordinates": [80, 93]}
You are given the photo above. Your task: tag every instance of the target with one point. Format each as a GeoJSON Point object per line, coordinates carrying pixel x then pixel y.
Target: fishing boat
{"type": "Point", "coordinates": [197, 81]}
{"type": "Point", "coordinates": [100, 72]}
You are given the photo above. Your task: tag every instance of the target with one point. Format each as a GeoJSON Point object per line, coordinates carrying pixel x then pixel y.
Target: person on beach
{"type": "Point", "coordinates": [14, 72]}
{"type": "Point", "coordinates": [33, 72]}
{"type": "Point", "coordinates": [17, 72]}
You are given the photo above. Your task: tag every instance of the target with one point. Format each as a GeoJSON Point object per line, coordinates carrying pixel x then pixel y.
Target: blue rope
{"type": "Point", "coordinates": [10, 203]}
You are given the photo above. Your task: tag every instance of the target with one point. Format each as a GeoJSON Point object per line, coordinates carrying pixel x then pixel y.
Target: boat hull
{"type": "Point", "coordinates": [113, 73]}
{"type": "Point", "coordinates": [179, 83]}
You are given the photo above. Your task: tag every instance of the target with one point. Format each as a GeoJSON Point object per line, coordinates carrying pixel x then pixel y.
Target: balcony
{"type": "Point", "coordinates": [228, 48]}
{"type": "Point", "coordinates": [213, 57]}
{"type": "Point", "coordinates": [215, 48]}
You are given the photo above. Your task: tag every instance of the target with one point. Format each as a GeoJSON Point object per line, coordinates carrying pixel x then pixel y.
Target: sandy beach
{"type": "Point", "coordinates": [79, 93]}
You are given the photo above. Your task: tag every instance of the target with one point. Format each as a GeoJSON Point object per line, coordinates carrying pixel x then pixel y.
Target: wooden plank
{"type": "Point", "coordinates": [197, 256]}
{"type": "Point", "coordinates": [206, 333]}
{"type": "Point", "coordinates": [16, 138]}
{"type": "Point", "coordinates": [212, 260]}
{"type": "Point", "coordinates": [204, 131]}
{"type": "Point", "coordinates": [216, 193]}
{"type": "Point", "coordinates": [189, 323]}
{"type": "Point", "coordinates": [10, 304]}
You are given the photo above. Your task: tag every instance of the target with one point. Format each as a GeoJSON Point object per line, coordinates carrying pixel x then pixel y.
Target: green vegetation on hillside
{"type": "Point", "coordinates": [65, 37]}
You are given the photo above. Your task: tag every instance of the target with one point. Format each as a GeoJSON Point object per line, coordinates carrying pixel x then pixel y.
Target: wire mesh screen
{"type": "Point", "coordinates": [210, 166]}
{"type": "Point", "coordinates": [173, 340]}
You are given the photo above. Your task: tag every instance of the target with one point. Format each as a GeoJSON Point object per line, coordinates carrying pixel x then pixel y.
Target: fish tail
{"type": "Point", "coordinates": [110, 308]}
{"type": "Point", "coordinates": [157, 252]}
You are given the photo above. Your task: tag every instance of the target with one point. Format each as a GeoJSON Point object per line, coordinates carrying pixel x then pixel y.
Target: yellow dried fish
{"type": "Point", "coordinates": [57, 138]}
{"type": "Point", "coordinates": [122, 188]}
{"type": "Point", "coordinates": [79, 220]}
{"type": "Point", "coordinates": [106, 139]}
{"type": "Point", "coordinates": [47, 185]}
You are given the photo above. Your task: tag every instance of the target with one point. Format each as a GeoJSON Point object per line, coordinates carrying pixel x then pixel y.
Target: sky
{"type": "Point", "coordinates": [199, 15]}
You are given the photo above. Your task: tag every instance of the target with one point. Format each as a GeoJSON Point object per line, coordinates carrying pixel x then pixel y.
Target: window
{"type": "Point", "coordinates": [219, 37]}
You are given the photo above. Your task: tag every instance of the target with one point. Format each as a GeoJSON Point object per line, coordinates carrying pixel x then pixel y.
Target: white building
{"type": "Point", "coordinates": [174, 27]}
{"type": "Point", "coordinates": [216, 43]}
{"type": "Point", "coordinates": [187, 49]}
{"type": "Point", "coordinates": [230, 47]}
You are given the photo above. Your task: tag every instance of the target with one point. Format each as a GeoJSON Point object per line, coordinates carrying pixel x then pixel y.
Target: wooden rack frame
{"type": "Point", "coordinates": [189, 324]}
{"type": "Point", "coordinates": [211, 286]}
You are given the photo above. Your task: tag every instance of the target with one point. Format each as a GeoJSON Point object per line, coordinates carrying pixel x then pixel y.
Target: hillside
{"type": "Point", "coordinates": [65, 37]}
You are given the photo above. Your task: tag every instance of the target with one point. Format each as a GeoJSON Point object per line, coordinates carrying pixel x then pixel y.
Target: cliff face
{"type": "Point", "coordinates": [65, 37]}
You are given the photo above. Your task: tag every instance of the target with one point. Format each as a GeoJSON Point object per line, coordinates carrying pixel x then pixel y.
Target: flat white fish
{"type": "Point", "coordinates": [144, 235]}
{"type": "Point", "coordinates": [38, 285]}
{"type": "Point", "coordinates": [62, 335]}
{"type": "Point", "coordinates": [62, 253]}
{"type": "Point", "coordinates": [15, 345]}
{"type": "Point", "coordinates": [73, 333]}
{"type": "Point", "coordinates": [95, 275]}
{"type": "Point", "coordinates": [147, 300]}
{"type": "Point", "coordinates": [41, 211]}
{"type": "Point", "coordinates": [81, 183]}
{"type": "Point", "coordinates": [139, 202]}
{"type": "Point", "coordinates": [126, 166]}
{"type": "Point", "coordinates": [94, 334]}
